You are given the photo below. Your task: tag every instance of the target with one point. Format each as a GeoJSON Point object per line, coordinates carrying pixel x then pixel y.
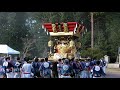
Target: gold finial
{"type": "Point", "coordinates": [65, 27]}
{"type": "Point", "coordinates": [54, 28]}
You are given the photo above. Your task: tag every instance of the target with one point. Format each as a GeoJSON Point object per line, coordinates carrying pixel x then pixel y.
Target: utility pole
{"type": "Point", "coordinates": [92, 38]}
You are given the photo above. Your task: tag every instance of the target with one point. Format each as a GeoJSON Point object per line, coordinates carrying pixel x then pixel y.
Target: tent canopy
{"type": "Point", "coordinates": [5, 49]}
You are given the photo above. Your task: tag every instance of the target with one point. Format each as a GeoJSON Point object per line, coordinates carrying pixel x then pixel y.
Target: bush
{"type": "Point", "coordinates": [93, 53]}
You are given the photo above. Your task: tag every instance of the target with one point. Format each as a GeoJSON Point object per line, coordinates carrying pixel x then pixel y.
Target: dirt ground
{"type": "Point", "coordinates": [113, 73]}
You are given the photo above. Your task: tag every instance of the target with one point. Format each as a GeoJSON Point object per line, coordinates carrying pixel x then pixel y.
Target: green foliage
{"type": "Point", "coordinates": [93, 53]}
{"type": "Point", "coordinates": [85, 40]}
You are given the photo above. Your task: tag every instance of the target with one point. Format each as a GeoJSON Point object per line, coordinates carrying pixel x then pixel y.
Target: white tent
{"type": "Point", "coordinates": [5, 49]}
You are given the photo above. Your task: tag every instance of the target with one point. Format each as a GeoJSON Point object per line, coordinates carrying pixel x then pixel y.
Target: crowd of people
{"type": "Point", "coordinates": [44, 68]}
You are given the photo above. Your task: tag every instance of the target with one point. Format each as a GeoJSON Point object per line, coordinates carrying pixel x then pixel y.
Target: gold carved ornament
{"type": "Point", "coordinates": [64, 49]}
{"type": "Point", "coordinates": [65, 27]}
{"type": "Point", "coordinates": [54, 28]}
{"type": "Point", "coordinates": [50, 43]}
{"type": "Point", "coordinates": [72, 43]}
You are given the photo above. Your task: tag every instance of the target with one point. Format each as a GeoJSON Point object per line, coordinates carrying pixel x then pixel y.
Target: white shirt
{"type": "Point", "coordinates": [26, 68]}
{"type": "Point", "coordinates": [5, 63]}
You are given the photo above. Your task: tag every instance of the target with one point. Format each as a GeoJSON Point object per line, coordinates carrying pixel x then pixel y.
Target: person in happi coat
{"type": "Point", "coordinates": [59, 67]}
{"type": "Point", "coordinates": [46, 68]}
{"type": "Point", "coordinates": [66, 69]}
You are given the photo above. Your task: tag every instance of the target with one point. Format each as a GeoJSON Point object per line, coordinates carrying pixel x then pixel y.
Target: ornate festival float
{"type": "Point", "coordinates": [64, 39]}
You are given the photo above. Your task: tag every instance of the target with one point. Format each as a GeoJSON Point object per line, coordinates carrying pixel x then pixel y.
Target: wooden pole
{"type": "Point", "coordinates": [92, 37]}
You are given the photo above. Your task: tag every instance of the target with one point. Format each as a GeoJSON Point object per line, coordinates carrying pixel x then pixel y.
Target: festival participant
{"type": "Point", "coordinates": [41, 68]}
{"type": "Point", "coordinates": [8, 67]}
{"type": "Point", "coordinates": [59, 67]}
{"type": "Point", "coordinates": [2, 72]}
{"type": "Point", "coordinates": [26, 69]}
{"type": "Point", "coordinates": [36, 66]}
{"type": "Point", "coordinates": [51, 65]}
{"type": "Point", "coordinates": [46, 67]}
{"type": "Point", "coordinates": [87, 69]}
{"type": "Point", "coordinates": [71, 61]}
{"type": "Point", "coordinates": [91, 67]}
{"type": "Point", "coordinates": [82, 73]}
{"type": "Point", "coordinates": [80, 68]}
{"type": "Point", "coordinates": [103, 65]}
{"type": "Point", "coordinates": [17, 70]}
{"type": "Point", "coordinates": [97, 70]}
{"type": "Point", "coordinates": [54, 69]}
{"type": "Point", "coordinates": [91, 64]}
{"type": "Point", "coordinates": [66, 69]}
{"type": "Point", "coordinates": [76, 68]}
